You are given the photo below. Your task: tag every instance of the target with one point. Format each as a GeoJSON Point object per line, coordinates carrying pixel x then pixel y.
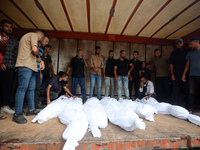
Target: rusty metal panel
{"type": "Point", "coordinates": [193, 141]}
{"type": "Point", "coordinates": [142, 144]}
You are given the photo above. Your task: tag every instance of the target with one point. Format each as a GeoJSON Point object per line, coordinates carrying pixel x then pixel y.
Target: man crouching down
{"type": "Point", "coordinates": [51, 87]}
{"type": "Point", "coordinates": [146, 89]}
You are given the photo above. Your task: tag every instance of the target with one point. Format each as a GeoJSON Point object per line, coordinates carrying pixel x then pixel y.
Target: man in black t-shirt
{"type": "Point", "coordinates": [77, 65]}
{"type": "Point", "coordinates": [48, 63]}
{"type": "Point", "coordinates": [135, 76]}
{"type": "Point", "coordinates": [122, 74]}
{"type": "Point", "coordinates": [108, 74]}
{"type": "Point", "coordinates": [177, 64]}
{"type": "Point", "coordinates": [51, 87]}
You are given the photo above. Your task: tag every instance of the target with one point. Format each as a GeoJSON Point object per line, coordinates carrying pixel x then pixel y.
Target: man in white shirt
{"type": "Point", "coordinates": [146, 89]}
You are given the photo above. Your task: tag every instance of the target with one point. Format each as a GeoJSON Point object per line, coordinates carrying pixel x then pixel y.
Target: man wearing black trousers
{"type": "Point", "coordinates": [177, 64]}
{"type": "Point", "coordinates": [135, 77]}
{"type": "Point", "coordinates": [7, 68]}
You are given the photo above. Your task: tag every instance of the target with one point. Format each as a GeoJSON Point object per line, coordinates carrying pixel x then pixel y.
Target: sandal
{"type": "Point", "coordinates": [2, 117]}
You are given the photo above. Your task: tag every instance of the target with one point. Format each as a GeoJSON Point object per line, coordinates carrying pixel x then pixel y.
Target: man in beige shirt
{"type": "Point", "coordinates": [96, 62]}
{"type": "Point", "coordinates": [28, 55]}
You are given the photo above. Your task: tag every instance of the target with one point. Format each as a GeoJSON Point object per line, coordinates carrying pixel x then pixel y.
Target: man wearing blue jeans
{"type": "Point", "coordinates": [96, 62]}
{"type": "Point", "coordinates": [108, 74]}
{"type": "Point", "coordinates": [193, 62]}
{"type": "Point", "coordinates": [28, 54]}
{"type": "Point", "coordinates": [77, 65]}
{"type": "Point", "coordinates": [122, 74]}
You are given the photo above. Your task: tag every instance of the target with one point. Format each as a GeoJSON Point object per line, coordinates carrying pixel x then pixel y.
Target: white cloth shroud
{"type": "Point", "coordinates": [96, 116]}
{"type": "Point", "coordinates": [53, 109]}
{"type": "Point", "coordinates": [141, 107]}
{"type": "Point", "coordinates": [76, 120]}
{"type": "Point", "coordinates": [194, 119]}
{"type": "Point", "coordinates": [118, 115]}
{"type": "Point", "coordinates": [70, 111]}
{"type": "Point", "coordinates": [162, 108]}
{"type": "Point", "coordinates": [179, 112]}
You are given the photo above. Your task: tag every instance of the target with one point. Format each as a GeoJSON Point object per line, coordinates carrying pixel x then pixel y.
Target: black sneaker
{"type": "Point", "coordinates": [19, 118]}
{"type": "Point", "coordinates": [39, 106]}
{"type": "Point", "coordinates": [32, 112]}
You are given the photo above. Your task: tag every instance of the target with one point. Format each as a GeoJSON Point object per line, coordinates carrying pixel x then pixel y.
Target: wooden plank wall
{"type": "Point", "coordinates": [64, 49]}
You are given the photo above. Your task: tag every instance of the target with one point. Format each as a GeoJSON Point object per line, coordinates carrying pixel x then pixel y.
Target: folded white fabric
{"type": "Point", "coordinates": [74, 117]}
{"type": "Point", "coordinates": [162, 108]}
{"type": "Point", "coordinates": [194, 119]}
{"type": "Point", "coordinates": [151, 101]}
{"type": "Point", "coordinates": [96, 116]}
{"type": "Point", "coordinates": [179, 112]}
{"type": "Point", "coordinates": [121, 116]}
{"type": "Point", "coordinates": [145, 111]}
{"type": "Point", "coordinates": [52, 110]}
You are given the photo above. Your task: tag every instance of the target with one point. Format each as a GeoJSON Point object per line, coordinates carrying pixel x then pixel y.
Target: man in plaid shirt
{"type": "Point", "coordinates": [7, 68]}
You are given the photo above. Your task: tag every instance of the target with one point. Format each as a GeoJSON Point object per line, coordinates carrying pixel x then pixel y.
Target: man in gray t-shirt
{"type": "Point", "coordinates": [193, 62]}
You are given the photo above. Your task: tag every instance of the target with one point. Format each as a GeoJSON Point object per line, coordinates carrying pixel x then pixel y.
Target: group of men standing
{"type": "Point", "coordinates": [33, 47]}
{"type": "Point", "coordinates": [170, 74]}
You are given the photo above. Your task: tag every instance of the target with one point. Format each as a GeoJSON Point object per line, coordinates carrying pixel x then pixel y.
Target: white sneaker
{"type": "Point", "coordinates": [7, 110]}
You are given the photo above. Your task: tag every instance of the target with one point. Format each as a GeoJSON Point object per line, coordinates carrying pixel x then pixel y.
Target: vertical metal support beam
{"type": "Point", "coordinates": [129, 51]}
{"type": "Point", "coordinates": [58, 55]}
{"type": "Point", "coordinates": [145, 52]}
{"type": "Point", "coordinates": [77, 44]}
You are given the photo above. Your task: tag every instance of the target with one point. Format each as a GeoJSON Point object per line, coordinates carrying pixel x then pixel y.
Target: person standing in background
{"type": "Point", "coordinates": [96, 62]}
{"type": "Point", "coordinates": [162, 80]}
{"type": "Point", "coordinates": [135, 76]}
{"type": "Point", "coordinates": [7, 68]}
{"type": "Point", "coordinates": [122, 74]}
{"type": "Point", "coordinates": [28, 55]}
{"type": "Point", "coordinates": [77, 65]}
{"type": "Point", "coordinates": [108, 74]}
{"type": "Point", "coordinates": [48, 70]}
{"type": "Point", "coordinates": [38, 82]}
{"type": "Point", "coordinates": [193, 62]}
{"type": "Point", "coordinates": [177, 64]}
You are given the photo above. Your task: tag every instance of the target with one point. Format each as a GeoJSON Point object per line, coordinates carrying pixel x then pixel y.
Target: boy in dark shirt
{"type": "Point", "coordinates": [144, 72]}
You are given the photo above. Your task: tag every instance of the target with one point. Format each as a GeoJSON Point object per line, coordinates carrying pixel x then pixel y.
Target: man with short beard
{"type": "Point", "coordinates": [122, 74]}
{"type": "Point", "coordinates": [77, 65]}
{"type": "Point", "coordinates": [7, 68]}
{"type": "Point", "coordinates": [162, 79]}
{"type": "Point", "coordinates": [28, 55]}
{"type": "Point", "coordinates": [96, 62]}
{"type": "Point", "coordinates": [193, 62]}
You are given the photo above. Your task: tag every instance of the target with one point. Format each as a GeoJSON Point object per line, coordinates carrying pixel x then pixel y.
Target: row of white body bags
{"type": "Point", "coordinates": [118, 115]}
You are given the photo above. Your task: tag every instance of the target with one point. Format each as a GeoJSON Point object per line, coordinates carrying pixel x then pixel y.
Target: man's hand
{"type": "Point", "coordinates": [128, 74]}
{"type": "Point", "coordinates": [42, 66]}
{"type": "Point", "coordinates": [130, 78]}
{"type": "Point", "coordinates": [4, 40]}
{"type": "Point", "coordinates": [183, 78]}
{"type": "Point", "coordinates": [98, 72]}
{"type": "Point", "coordinates": [74, 96]}
{"type": "Point", "coordinates": [104, 77]}
{"type": "Point", "coordinates": [147, 97]}
{"type": "Point", "coordinates": [3, 67]}
{"type": "Point", "coordinates": [173, 77]}
{"type": "Point", "coordinates": [116, 79]}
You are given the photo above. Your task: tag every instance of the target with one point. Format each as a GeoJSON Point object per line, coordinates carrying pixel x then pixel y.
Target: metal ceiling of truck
{"type": "Point", "coordinates": [164, 19]}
